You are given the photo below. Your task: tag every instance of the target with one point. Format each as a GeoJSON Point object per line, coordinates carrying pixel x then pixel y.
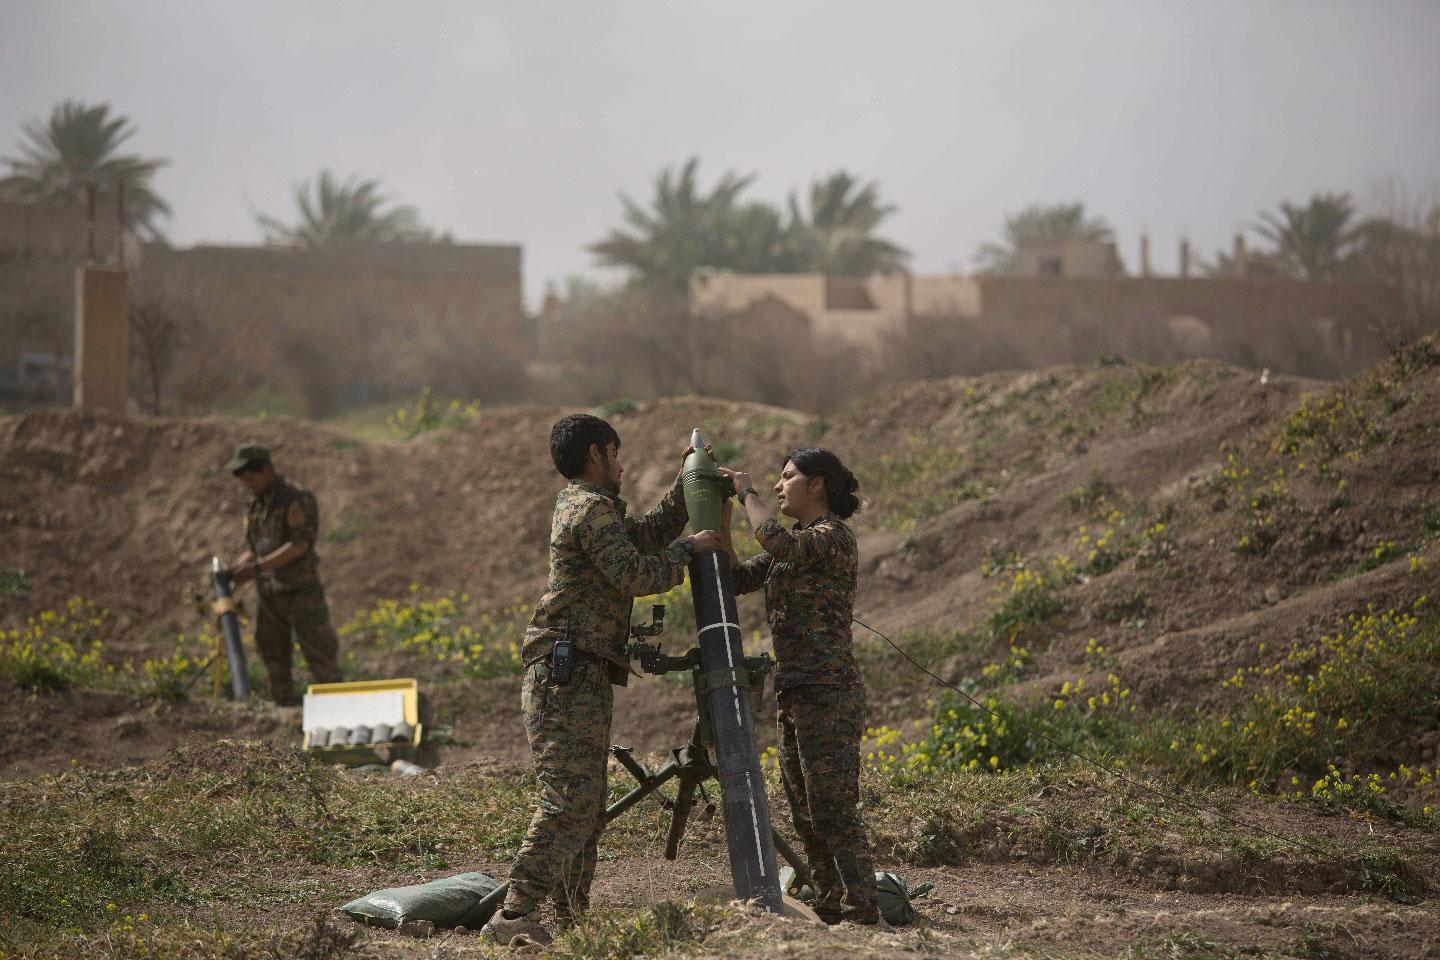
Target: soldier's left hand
{"type": "Point", "coordinates": [739, 478]}
{"type": "Point", "coordinates": [709, 448]}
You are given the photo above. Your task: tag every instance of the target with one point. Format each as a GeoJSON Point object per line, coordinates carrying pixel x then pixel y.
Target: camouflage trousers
{"type": "Point", "coordinates": [820, 731]}
{"type": "Point", "coordinates": [569, 732]}
{"type": "Point", "coordinates": [284, 618]}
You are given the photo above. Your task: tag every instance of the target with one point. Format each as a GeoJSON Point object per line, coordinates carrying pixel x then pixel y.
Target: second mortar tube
{"type": "Point", "coordinates": [742, 787]}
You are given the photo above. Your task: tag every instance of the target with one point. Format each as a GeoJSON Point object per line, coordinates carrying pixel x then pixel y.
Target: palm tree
{"type": "Point", "coordinates": [1040, 223]}
{"type": "Point", "coordinates": [332, 210]}
{"type": "Point", "coordinates": [837, 235]}
{"type": "Point", "coordinates": [755, 239]}
{"type": "Point", "coordinates": [78, 148]}
{"type": "Point", "coordinates": [1311, 242]}
{"type": "Point", "coordinates": [685, 228]}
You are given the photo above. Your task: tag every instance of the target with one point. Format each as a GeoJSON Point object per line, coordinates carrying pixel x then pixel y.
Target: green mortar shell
{"type": "Point", "coordinates": [705, 488]}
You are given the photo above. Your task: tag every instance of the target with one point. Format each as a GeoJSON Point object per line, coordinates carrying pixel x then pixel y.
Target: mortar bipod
{"type": "Point", "coordinates": [690, 763]}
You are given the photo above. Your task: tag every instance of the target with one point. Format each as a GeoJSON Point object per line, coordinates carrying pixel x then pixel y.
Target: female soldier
{"type": "Point", "coordinates": [809, 573]}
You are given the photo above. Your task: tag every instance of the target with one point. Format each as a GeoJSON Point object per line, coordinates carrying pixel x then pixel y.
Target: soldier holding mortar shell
{"type": "Point", "coordinates": [575, 649]}
{"type": "Point", "coordinates": [809, 574]}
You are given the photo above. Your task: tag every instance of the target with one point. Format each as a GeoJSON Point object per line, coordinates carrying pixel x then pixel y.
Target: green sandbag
{"type": "Point", "coordinates": [445, 902]}
{"type": "Point", "coordinates": [894, 898]}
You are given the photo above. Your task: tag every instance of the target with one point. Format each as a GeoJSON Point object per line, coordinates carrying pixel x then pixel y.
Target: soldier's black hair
{"type": "Point", "coordinates": [570, 441]}
{"type": "Point", "coordinates": [840, 484]}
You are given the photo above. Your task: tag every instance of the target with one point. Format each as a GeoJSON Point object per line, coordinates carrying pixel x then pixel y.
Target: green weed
{"type": "Point", "coordinates": [437, 631]}
{"type": "Point", "coordinates": [1344, 698]}
{"type": "Point", "coordinates": [13, 583]}
{"type": "Point", "coordinates": [939, 651]}
{"type": "Point", "coordinates": [1382, 554]}
{"type": "Point", "coordinates": [928, 477]}
{"type": "Point", "coordinates": [426, 413]}
{"type": "Point", "coordinates": [727, 451]}
{"type": "Point", "coordinates": [1133, 607]}
{"type": "Point", "coordinates": [618, 407]}
{"type": "Point", "coordinates": [349, 528]}
{"type": "Point", "coordinates": [1030, 599]}
{"type": "Point", "coordinates": [623, 935]}
{"type": "Point", "coordinates": [56, 649]}
{"type": "Point", "coordinates": [1087, 497]}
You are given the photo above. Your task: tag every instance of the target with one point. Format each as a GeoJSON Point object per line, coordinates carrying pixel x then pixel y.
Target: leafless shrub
{"type": "Point", "coordinates": [1401, 246]}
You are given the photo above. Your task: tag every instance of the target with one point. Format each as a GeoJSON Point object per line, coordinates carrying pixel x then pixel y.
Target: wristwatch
{"type": "Point", "coordinates": [748, 491]}
{"type": "Point", "coordinates": [688, 547]}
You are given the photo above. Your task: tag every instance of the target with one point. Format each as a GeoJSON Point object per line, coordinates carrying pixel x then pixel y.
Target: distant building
{"type": "Point", "coordinates": [1067, 258]}
{"type": "Point", "coordinates": [41, 245]}
{"type": "Point", "coordinates": [348, 324]}
{"type": "Point", "coordinates": [974, 323]}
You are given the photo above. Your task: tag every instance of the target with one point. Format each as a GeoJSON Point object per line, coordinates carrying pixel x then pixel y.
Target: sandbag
{"type": "Point", "coordinates": [894, 899]}
{"type": "Point", "coordinates": [447, 902]}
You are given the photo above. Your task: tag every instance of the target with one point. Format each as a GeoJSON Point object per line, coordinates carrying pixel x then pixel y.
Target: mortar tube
{"type": "Point", "coordinates": [737, 759]}
{"type": "Point", "coordinates": [230, 627]}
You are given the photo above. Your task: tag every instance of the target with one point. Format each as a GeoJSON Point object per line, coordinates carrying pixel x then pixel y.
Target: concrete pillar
{"type": "Point", "coordinates": [1184, 259]}
{"type": "Point", "coordinates": [1144, 254]}
{"type": "Point", "coordinates": [102, 339]}
{"type": "Point", "coordinates": [1239, 259]}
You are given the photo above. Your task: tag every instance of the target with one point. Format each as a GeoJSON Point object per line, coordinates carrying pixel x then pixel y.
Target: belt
{"type": "Point", "coordinates": [581, 658]}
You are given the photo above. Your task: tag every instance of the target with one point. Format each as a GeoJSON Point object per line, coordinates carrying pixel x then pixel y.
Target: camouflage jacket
{"type": "Point", "coordinates": [284, 514]}
{"type": "Point", "coordinates": [600, 560]}
{"type": "Point", "coordinates": [809, 575]}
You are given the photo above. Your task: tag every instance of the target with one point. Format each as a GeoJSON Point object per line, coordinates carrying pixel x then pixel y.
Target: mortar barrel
{"type": "Point", "coordinates": [726, 689]}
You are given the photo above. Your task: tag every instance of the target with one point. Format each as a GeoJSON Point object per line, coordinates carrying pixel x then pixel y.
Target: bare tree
{"type": "Point", "coordinates": [1401, 247]}
{"type": "Point", "coordinates": [161, 327]}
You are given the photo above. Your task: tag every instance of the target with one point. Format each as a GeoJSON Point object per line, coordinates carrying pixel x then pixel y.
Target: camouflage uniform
{"type": "Point", "coordinates": [600, 560]}
{"type": "Point", "coordinates": [809, 575]}
{"type": "Point", "coordinates": [292, 601]}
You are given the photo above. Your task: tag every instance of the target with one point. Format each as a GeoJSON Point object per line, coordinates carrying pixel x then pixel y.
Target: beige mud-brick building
{"type": "Point", "coordinates": [323, 329]}
{"type": "Point", "coordinates": [355, 323]}
{"type": "Point", "coordinates": [41, 246]}
{"type": "Point", "coordinates": [975, 323]}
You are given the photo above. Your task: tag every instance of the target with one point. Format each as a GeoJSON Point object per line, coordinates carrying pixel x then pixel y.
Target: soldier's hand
{"type": "Point", "coordinates": [740, 478]}
{"type": "Point", "coordinates": [709, 448]}
{"type": "Point", "coordinates": [705, 540]}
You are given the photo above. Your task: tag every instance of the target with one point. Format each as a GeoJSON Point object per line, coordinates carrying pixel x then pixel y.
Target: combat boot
{"type": "Point", "coordinates": [567, 916]}
{"type": "Point", "coordinates": [515, 932]}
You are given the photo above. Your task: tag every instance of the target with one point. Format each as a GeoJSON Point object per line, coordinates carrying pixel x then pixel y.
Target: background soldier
{"type": "Point", "coordinates": [281, 526]}
{"type": "Point", "coordinates": [600, 560]}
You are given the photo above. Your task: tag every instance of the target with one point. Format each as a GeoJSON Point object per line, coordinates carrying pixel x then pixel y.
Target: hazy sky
{"type": "Point", "coordinates": [520, 122]}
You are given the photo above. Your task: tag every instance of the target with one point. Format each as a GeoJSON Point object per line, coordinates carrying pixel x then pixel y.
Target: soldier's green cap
{"type": "Point", "coordinates": [246, 455]}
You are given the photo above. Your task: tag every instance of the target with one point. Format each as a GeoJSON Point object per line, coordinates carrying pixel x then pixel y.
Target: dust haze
{"type": "Point", "coordinates": [1124, 315]}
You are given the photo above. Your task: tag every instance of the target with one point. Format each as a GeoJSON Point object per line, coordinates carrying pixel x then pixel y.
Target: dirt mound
{"type": "Point", "coordinates": [128, 511]}
{"type": "Point", "coordinates": [1233, 511]}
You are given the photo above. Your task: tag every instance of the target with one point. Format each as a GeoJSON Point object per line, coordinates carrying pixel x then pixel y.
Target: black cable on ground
{"type": "Point", "coordinates": [1100, 765]}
